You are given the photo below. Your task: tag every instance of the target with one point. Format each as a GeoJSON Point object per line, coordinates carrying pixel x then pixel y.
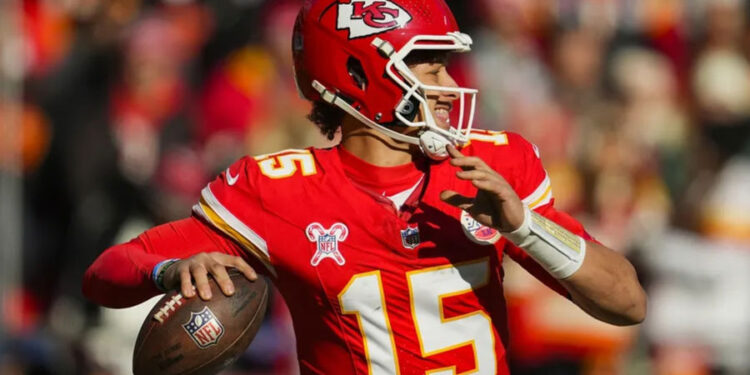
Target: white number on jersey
{"type": "Point", "coordinates": [496, 138]}
{"type": "Point", "coordinates": [364, 297]}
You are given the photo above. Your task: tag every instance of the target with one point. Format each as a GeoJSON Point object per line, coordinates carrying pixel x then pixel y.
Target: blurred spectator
{"type": "Point", "coordinates": [250, 104]}
{"type": "Point", "coordinates": [48, 31]}
{"type": "Point", "coordinates": [519, 83]}
{"type": "Point", "coordinates": [725, 213]}
{"type": "Point", "coordinates": [32, 140]}
{"type": "Point", "coordinates": [698, 321]}
{"type": "Point", "coordinates": [640, 151]}
{"type": "Point", "coordinates": [149, 98]}
{"type": "Point", "coordinates": [721, 79]}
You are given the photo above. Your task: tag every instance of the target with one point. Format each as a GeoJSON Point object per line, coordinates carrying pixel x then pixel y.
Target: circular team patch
{"type": "Point", "coordinates": [477, 232]}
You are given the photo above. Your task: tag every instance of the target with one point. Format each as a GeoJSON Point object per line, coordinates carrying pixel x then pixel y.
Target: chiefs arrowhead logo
{"type": "Point", "coordinates": [369, 17]}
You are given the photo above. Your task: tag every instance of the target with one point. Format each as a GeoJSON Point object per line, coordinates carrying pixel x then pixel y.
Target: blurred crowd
{"type": "Point", "coordinates": [114, 114]}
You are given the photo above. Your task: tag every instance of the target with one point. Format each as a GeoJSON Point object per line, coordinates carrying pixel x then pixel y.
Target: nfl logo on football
{"type": "Point", "coordinates": [204, 328]}
{"type": "Point", "coordinates": [410, 237]}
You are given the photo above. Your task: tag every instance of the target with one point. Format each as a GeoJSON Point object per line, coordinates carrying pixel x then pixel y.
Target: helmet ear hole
{"type": "Point", "coordinates": [357, 72]}
{"type": "Point", "coordinates": [409, 108]}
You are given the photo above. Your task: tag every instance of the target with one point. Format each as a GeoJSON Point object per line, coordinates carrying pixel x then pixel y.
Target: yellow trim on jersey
{"type": "Point", "coordinates": [218, 223]}
{"type": "Point", "coordinates": [541, 195]}
{"type": "Point", "coordinates": [220, 218]}
{"type": "Point", "coordinates": [537, 202]}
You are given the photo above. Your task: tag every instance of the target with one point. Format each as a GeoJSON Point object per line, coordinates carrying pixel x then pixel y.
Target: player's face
{"type": "Point", "coordinates": [434, 73]}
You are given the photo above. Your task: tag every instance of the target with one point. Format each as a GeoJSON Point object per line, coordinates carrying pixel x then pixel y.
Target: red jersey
{"type": "Point", "coordinates": [372, 289]}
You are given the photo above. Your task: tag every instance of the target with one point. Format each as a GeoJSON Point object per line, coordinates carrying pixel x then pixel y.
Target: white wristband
{"type": "Point", "coordinates": [560, 252]}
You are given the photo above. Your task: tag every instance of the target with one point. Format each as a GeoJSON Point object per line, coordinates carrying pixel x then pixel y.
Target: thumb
{"type": "Point", "coordinates": [457, 200]}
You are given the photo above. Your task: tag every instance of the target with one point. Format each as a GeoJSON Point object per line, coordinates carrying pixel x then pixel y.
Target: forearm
{"type": "Point", "coordinates": [599, 280]}
{"type": "Point", "coordinates": [606, 286]}
{"type": "Point", "coordinates": [120, 276]}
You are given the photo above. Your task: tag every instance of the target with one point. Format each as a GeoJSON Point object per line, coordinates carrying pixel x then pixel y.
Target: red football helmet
{"type": "Point", "coordinates": [351, 53]}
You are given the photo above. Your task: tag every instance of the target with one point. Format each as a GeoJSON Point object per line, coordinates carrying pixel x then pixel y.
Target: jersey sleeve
{"type": "Point", "coordinates": [232, 205]}
{"type": "Point", "coordinates": [121, 275]}
{"type": "Point", "coordinates": [532, 184]}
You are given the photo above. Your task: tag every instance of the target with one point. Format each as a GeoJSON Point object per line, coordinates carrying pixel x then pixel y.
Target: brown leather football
{"type": "Point", "coordinates": [192, 336]}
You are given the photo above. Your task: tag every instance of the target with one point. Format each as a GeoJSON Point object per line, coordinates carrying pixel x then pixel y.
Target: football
{"type": "Point", "coordinates": [192, 336]}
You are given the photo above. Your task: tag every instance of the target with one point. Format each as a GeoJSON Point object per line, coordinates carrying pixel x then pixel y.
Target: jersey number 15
{"type": "Point", "coordinates": [363, 297]}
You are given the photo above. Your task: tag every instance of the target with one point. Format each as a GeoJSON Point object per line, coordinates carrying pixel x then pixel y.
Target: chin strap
{"type": "Point", "coordinates": [334, 99]}
{"type": "Point", "coordinates": [434, 145]}
{"type": "Point", "coordinates": [431, 143]}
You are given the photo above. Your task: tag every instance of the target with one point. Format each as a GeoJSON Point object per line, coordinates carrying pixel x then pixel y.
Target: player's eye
{"type": "Point", "coordinates": [434, 73]}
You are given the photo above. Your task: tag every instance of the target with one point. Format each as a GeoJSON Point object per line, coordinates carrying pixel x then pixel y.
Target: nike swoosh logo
{"type": "Point", "coordinates": [231, 180]}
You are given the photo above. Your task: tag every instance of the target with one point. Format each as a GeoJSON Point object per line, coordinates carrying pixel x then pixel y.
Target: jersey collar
{"type": "Point", "coordinates": [381, 180]}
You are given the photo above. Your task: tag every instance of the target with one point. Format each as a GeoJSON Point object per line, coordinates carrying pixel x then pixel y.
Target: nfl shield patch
{"type": "Point", "coordinates": [410, 237]}
{"type": "Point", "coordinates": [327, 241]}
{"type": "Point", "coordinates": [204, 328]}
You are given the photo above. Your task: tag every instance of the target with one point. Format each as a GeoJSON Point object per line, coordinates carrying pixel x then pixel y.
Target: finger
{"type": "Point", "coordinates": [201, 281]}
{"type": "Point", "coordinates": [456, 199]}
{"type": "Point", "coordinates": [486, 185]}
{"type": "Point", "coordinates": [221, 276]}
{"type": "Point", "coordinates": [473, 175]}
{"type": "Point", "coordinates": [469, 162]}
{"type": "Point", "coordinates": [484, 180]}
{"type": "Point", "coordinates": [236, 262]}
{"type": "Point", "coordinates": [245, 268]}
{"type": "Point", "coordinates": [482, 216]}
{"type": "Point", "coordinates": [186, 283]}
{"type": "Point", "coordinates": [453, 152]}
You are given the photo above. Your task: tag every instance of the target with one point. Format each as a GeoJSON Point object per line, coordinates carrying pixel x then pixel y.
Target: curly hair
{"type": "Point", "coordinates": [327, 117]}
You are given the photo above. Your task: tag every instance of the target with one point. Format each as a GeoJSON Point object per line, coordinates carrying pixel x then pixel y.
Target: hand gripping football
{"type": "Point", "coordinates": [192, 336]}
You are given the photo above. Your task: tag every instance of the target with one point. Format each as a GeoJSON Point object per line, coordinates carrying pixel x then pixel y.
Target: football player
{"type": "Point", "coordinates": [387, 248]}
